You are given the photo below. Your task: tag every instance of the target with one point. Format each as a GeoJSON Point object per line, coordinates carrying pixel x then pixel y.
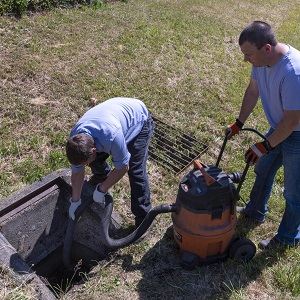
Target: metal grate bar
{"type": "Point", "coordinates": [161, 161]}
{"type": "Point", "coordinates": [172, 148]}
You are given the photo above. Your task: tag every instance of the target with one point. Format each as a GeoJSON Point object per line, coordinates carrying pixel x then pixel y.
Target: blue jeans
{"type": "Point", "coordinates": [137, 173]}
{"type": "Point", "coordinates": [286, 154]}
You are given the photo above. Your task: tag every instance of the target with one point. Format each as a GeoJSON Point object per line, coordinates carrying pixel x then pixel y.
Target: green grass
{"type": "Point", "coordinates": [287, 276]}
{"type": "Point", "coordinates": [182, 59]}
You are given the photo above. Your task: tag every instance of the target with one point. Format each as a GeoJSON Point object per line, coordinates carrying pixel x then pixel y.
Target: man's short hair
{"type": "Point", "coordinates": [259, 34]}
{"type": "Point", "coordinates": [79, 148]}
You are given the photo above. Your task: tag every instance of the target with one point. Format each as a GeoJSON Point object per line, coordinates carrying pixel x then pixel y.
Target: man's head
{"type": "Point", "coordinates": [257, 41]}
{"type": "Point", "coordinates": [259, 34]}
{"type": "Point", "coordinates": [80, 149]}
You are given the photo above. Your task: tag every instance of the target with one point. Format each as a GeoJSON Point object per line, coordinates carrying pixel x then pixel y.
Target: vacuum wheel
{"type": "Point", "coordinates": [242, 250]}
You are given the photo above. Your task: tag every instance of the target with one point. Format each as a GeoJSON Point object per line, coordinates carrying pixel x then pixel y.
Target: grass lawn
{"type": "Point", "coordinates": [182, 59]}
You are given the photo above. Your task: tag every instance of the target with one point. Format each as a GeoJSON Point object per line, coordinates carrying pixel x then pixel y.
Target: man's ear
{"type": "Point", "coordinates": [94, 149]}
{"type": "Point", "coordinates": [268, 48]}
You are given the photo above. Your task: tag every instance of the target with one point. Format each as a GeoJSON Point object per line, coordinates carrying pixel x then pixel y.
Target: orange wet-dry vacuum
{"type": "Point", "coordinates": [205, 219]}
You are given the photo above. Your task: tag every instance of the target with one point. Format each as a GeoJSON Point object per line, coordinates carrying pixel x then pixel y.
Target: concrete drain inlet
{"type": "Point", "coordinates": [33, 223]}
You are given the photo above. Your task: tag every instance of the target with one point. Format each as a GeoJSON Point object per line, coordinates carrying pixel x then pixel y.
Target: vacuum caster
{"type": "Point", "coordinates": [242, 250]}
{"type": "Point", "coordinates": [189, 260]}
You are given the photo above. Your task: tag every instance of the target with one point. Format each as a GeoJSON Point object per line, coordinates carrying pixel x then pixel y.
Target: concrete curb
{"type": "Point", "coordinates": [19, 270]}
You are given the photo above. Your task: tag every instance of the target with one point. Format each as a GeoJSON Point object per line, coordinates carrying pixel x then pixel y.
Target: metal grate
{"type": "Point", "coordinates": [172, 148]}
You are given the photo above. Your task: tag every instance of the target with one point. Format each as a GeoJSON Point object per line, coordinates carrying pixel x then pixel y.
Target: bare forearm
{"type": "Point", "coordinates": [77, 183]}
{"type": "Point", "coordinates": [114, 176]}
{"type": "Point", "coordinates": [249, 102]}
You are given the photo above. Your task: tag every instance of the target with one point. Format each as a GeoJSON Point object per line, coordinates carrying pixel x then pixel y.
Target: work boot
{"type": "Point", "coordinates": [242, 211]}
{"type": "Point", "coordinates": [271, 244]}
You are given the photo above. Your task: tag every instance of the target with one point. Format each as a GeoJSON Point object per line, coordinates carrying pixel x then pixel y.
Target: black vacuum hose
{"type": "Point", "coordinates": [70, 233]}
{"type": "Point", "coordinates": [104, 227]}
{"type": "Point", "coordinates": [119, 243]}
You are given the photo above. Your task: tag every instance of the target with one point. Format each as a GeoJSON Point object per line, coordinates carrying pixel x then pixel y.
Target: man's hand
{"type": "Point", "coordinates": [98, 196]}
{"type": "Point", "coordinates": [257, 150]}
{"type": "Point", "coordinates": [233, 129]}
{"type": "Point", "coordinates": [73, 207]}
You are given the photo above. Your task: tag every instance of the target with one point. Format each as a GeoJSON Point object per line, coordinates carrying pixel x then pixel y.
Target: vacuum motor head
{"type": "Point", "coordinates": [195, 195]}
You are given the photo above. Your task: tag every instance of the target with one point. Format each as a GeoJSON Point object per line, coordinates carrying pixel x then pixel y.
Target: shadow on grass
{"type": "Point", "coordinates": [164, 278]}
{"type": "Point", "coordinates": [245, 225]}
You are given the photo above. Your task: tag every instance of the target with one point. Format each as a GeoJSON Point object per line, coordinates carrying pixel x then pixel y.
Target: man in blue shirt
{"type": "Point", "coordinates": [275, 79]}
{"type": "Point", "coordinates": [120, 128]}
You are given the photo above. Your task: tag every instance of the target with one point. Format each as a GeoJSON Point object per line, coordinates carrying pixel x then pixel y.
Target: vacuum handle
{"type": "Point", "coordinates": [208, 179]}
{"type": "Point", "coordinates": [225, 141]}
{"type": "Point", "coordinates": [255, 131]}
{"type": "Point", "coordinates": [237, 192]}
{"type": "Point", "coordinates": [221, 151]}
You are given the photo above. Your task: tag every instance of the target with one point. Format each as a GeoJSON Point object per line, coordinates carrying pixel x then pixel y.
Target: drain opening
{"type": "Point", "coordinates": [55, 275]}
{"type": "Point", "coordinates": [172, 148]}
{"type": "Point", "coordinates": [33, 225]}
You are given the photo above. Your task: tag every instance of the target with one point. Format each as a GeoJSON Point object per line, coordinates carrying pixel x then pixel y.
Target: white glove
{"type": "Point", "coordinates": [73, 207]}
{"type": "Point", "coordinates": [98, 197]}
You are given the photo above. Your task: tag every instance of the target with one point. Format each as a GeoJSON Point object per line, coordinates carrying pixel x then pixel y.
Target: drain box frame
{"type": "Point", "coordinates": [33, 223]}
